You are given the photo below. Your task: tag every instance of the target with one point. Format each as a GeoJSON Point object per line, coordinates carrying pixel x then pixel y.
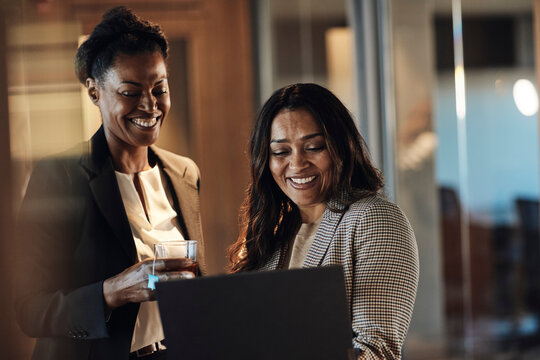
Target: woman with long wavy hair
{"type": "Point", "coordinates": [314, 201]}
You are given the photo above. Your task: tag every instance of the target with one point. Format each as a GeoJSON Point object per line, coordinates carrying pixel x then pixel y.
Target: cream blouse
{"type": "Point", "coordinates": [160, 225]}
{"type": "Point", "coordinates": [302, 243]}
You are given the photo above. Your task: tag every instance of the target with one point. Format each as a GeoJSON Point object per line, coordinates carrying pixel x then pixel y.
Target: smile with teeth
{"type": "Point", "coordinates": [302, 180]}
{"type": "Point", "coordinates": [147, 123]}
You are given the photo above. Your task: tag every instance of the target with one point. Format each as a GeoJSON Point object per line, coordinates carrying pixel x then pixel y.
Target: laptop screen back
{"type": "Point", "coordinates": [286, 314]}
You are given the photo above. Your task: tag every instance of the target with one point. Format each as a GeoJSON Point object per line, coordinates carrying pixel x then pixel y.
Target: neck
{"type": "Point", "coordinates": [129, 161]}
{"type": "Point", "coordinates": [311, 213]}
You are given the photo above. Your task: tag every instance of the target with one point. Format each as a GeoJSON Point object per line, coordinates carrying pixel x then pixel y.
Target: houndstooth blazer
{"type": "Point", "coordinates": [375, 244]}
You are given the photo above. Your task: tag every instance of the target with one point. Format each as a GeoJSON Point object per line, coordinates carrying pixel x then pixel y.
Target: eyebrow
{"type": "Point", "coordinates": [307, 137]}
{"type": "Point", "coordinates": [139, 84]}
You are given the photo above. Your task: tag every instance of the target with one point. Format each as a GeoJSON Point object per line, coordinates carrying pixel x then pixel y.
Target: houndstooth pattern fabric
{"type": "Point", "coordinates": [375, 244]}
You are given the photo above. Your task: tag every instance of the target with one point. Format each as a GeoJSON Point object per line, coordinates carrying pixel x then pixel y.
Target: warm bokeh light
{"type": "Point", "coordinates": [525, 97]}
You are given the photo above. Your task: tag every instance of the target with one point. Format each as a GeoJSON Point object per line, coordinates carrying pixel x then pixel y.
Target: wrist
{"type": "Point", "coordinates": [111, 301]}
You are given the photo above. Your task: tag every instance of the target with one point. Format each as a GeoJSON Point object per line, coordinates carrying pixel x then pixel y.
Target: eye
{"type": "Point", "coordinates": [161, 91]}
{"type": "Point", "coordinates": [279, 152]}
{"type": "Point", "coordinates": [316, 148]}
{"type": "Point", "coordinates": [130, 93]}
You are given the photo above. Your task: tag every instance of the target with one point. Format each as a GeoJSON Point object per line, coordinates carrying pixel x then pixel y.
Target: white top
{"type": "Point", "coordinates": [302, 243]}
{"type": "Point", "coordinates": [161, 225]}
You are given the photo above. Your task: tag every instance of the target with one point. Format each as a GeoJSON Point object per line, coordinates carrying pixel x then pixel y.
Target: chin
{"type": "Point", "coordinates": [304, 202]}
{"type": "Point", "coordinates": [148, 139]}
{"type": "Point", "coordinates": [150, 142]}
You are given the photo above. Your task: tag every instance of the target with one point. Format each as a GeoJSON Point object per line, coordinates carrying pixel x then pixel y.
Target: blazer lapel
{"type": "Point", "coordinates": [188, 202]}
{"type": "Point", "coordinates": [276, 260]}
{"type": "Point", "coordinates": [324, 236]}
{"type": "Point", "coordinates": [107, 195]}
{"type": "Point", "coordinates": [106, 192]}
{"type": "Point", "coordinates": [185, 188]}
{"type": "Point", "coordinates": [186, 193]}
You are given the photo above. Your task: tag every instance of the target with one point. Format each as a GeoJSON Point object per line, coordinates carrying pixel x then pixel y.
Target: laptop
{"type": "Point", "coordinates": [284, 314]}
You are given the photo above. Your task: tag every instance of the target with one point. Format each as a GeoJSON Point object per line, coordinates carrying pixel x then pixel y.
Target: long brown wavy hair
{"type": "Point", "coordinates": [268, 218]}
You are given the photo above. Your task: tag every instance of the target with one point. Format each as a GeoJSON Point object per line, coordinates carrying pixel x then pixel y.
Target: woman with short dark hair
{"type": "Point", "coordinates": [313, 201]}
{"type": "Point", "coordinates": [92, 215]}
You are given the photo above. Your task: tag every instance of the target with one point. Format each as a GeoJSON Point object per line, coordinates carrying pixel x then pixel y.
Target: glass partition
{"type": "Point", "coordinates": [467, 150]}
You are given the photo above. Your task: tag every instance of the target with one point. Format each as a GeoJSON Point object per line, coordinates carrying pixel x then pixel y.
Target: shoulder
{"type": "Point", "coordinates": [63, 164]}
{"type": "Point", "coordinates": [373, 206]}
{"type": "Point", "coordinates": [55, 180]}
{"type": "Point", "coordinates": [169, 156]}
{"type": "Point", "coordinates": [378, 214]}
{"type": "Point", "coordinates": [378, 227]}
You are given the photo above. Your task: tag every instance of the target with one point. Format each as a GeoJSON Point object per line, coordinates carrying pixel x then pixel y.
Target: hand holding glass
{"type": "Point", "coordinates": [175, 249]}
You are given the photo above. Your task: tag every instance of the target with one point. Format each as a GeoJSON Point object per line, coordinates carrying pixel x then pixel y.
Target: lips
{"type": "Point", "coordinates": [302, 182]}
{"type": "Point", "coordinates": [146, 123]}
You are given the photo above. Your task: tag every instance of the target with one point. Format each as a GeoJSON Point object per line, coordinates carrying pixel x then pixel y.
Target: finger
{"type": "Point", "coordinates": [172, 264]}
{"type": "Point", "coordinates": [176, 275]}
{"type": "Point", "coordinates": [145, 295]}
{"type": "Point", "coordinates": [149, 295]}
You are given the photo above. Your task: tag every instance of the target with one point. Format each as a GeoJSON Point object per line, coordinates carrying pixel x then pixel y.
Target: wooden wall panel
{"type": "Point", "coordinates": [226, 110]}
{"type": "Point", "coordinates": [6, 215]}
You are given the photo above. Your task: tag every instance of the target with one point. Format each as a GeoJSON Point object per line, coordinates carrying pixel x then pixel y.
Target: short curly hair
{"type": "Point", "coordinates": [119, 32]}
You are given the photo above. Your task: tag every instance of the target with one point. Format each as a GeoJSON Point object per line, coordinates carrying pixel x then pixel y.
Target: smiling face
{"type": "Point", "coordinates": [133, 99]}
{"type": "Point", "coordinates": [299, 161]}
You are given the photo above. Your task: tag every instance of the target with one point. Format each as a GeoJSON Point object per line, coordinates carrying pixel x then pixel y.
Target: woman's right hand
{"type": "Point", "coordinates": [131, 285]}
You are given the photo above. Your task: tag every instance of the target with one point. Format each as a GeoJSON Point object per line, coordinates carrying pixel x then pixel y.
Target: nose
{"type": "Point", "coordinates": [148, 102]}
{"type": "Point", "coordinates": [298, 160]}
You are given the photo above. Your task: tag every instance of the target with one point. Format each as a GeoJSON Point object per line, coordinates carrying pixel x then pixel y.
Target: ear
{"type": "Point", "coordinates": [93, 90]}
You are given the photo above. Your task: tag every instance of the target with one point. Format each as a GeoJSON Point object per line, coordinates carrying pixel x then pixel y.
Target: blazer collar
{"type": "Point", "coordinates": [186, 192]}
{"type": "Point", "coordinates": [104, 187]}
{"type": "Point", "coordinates": [96, 153]}
{"type": "Point", "coordinates": [325, 234]}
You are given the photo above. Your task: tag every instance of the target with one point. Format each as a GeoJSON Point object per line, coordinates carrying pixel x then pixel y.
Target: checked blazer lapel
{"type": "Point", "coordinates": [321, 243]}
{"type": "Point", "coordinates": [106, 192]}
{"type": "Point", "coordinates": [324, 236]}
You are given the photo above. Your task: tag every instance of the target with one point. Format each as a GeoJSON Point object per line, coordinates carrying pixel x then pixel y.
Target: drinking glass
{"type": "Point", "coordinates": [175, 249]}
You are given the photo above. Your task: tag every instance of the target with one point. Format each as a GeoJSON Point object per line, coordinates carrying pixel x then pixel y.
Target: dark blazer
{"type": "Point", "coordinates": [74, 233]}
{"type": "Point", "coordinates": [374, 243]}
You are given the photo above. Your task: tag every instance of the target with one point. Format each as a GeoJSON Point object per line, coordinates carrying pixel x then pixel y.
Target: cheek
{"type": "Point", "coordinates": [115, 108]}
{"type": "Point", "coordinates": [165, 104]}
{"type": "Point", "coordinates": [276, 169]}
{"type": "Point", "coordinates": [326, 167]}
